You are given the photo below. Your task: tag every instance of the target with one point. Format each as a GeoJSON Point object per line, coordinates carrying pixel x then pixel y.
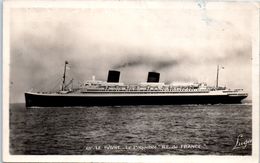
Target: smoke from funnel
{"type": "Point", "coordinates": [155, 63]}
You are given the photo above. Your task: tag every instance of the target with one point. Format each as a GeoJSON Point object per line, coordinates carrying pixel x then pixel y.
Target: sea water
{"type": "Point", "coordinates": [132, 130]}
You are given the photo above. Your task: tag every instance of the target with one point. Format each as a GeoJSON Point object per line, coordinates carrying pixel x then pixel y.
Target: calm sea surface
{"type": "Point", "coordinates": [139, 130]}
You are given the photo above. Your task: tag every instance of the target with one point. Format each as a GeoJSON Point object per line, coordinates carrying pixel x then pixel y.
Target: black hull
{"type": "Point", "coordinates": [40, 100]}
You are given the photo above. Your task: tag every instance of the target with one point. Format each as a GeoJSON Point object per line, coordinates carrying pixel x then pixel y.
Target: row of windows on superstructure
{"type": "Point", "coordinates": [98, 89]}
{"type": "Point", "coordinates": [136, 92]}
{"type": "Point", "coordinates": [140, 90]}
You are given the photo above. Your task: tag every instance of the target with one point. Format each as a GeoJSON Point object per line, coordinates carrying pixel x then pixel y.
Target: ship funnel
{"type": "Point", "coordinates": [113, 76]}
{"type": "Point", "coordinates": [153, 77]}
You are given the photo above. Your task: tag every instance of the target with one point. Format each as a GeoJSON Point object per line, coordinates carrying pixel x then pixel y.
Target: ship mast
{"type": "Point", "coordinates": [217, 77]}
{"type": "Point", "coordinates": [64, 76]}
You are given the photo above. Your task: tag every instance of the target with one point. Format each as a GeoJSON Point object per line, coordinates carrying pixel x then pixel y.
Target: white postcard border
{"type": "Point", "coordinates": [7, 157]}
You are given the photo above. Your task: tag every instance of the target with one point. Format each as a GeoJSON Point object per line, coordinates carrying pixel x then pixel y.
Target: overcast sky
{"type": "Point", "coordinates": [184, 45]}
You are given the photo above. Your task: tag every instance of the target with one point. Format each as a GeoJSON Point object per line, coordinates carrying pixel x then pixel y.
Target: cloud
{"type": "Point", "coordinates": [176, 43]}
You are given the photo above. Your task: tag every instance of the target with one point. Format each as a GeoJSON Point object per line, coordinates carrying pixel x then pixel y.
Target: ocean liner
{"type": "Point", "coordinates": [153, 92]}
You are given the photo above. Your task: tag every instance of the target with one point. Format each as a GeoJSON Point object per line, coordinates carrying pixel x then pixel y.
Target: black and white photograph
{"type": "Point", "coordinates": [131, 78]}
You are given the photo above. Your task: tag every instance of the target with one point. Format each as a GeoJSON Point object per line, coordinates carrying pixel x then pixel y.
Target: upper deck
{"type": "Point", "coordinates": [100, 87]}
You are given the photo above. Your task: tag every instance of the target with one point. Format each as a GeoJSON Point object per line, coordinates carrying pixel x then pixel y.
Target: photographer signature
{"type": "Point", "coordinates": [241, 142]}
